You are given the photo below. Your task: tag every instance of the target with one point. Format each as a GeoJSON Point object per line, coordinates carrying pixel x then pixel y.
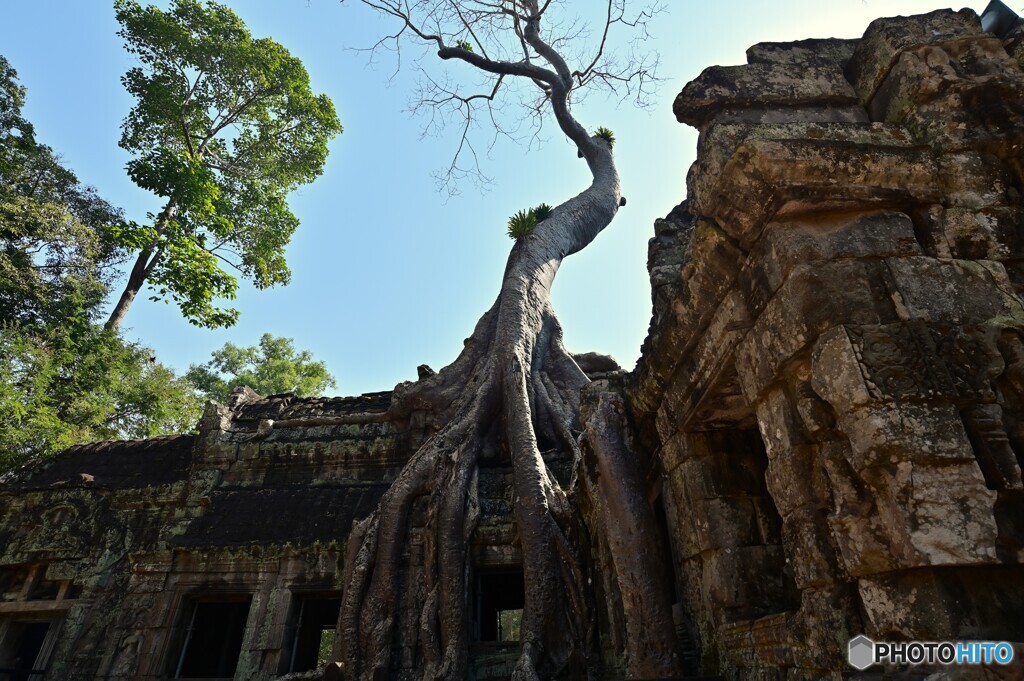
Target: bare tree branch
{"type": "Point", "coordinates": [505, 40]}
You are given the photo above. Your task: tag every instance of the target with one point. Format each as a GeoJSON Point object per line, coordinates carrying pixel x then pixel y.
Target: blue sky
{"type": "Point", "coordinates": [388, 272]}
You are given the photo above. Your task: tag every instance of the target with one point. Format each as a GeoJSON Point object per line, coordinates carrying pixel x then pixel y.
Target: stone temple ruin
{"type": "Point", "coordinates": [828, 416]}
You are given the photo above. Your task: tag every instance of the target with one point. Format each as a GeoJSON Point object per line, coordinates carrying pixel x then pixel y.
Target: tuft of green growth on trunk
{"type": "Point", "coordinates": [542, 212]}
{"type": "Point", "coordinates": [464, 45]}
{"type": "Point", "coordinates": [607, 135]}
{"type": "Point", "coordinates": [522, 224]}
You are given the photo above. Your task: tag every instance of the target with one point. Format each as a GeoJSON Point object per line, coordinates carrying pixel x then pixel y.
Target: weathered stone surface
{"type": "Point", "coordinates": [785, 245]}
{"type": "Point", "coordinates": [956, 95]}
{"type": "Point", "coordinates": [824, 51]}
{"type": "Point", "coordinates": [707, 274]}
{"type": "Point", "coordinates": [697, 378]}
{"type": "Point", "coordinates": [1014, 44]}
{"type": "Point", "coordinates": [869, 326]}
{"type": "Point", "coordinates": [765, 85]}
{"type": "Point", "coordinates": [811, 300]}
{"type": "Point", "coordinates": [847, 167]}
{"type": "Point", "coordinates": [938, 610]}
{"type": "Point", "coordinates": [242, 510]}
{"type": "Point", "coordinates": [885, 39]}
{"type": "Point", "coordinates": [987, 234]}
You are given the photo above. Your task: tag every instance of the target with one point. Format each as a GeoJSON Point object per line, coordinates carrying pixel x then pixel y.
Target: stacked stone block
{"type": "Point", "coordinates": [831, 374]}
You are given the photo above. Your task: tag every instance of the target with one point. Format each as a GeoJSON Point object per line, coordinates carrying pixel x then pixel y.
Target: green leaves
{"type": "Point", "coordinates": [59, 388]}
{"type": "Point", "coordinates": [524, 222]}
{"type": "Point", "coordinates": [270, 368]}
{"type": "Point", "coordinates": [607, 135]}
{"type": "Point", "coordinates": [178, 176]}
{"type": "Point", "coordinates": [64, 380]}
{"type": "Point", "coordinates": [54, 258]}
{"type": "Point", "coordinates": [521, 224]}
{"type": "Point", "coordinates": [225, 126]}
{"type": "Point", "coordinates": [192, 277]}
{"type": "Point", "coordinates": [542, 212]}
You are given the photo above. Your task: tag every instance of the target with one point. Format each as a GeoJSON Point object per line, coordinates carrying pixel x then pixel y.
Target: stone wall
{"type": "Point", "coordinates": [833, 377]}
{"type": "Point", "coordinates": [132, 535]}
{"type": "Point", "coordinates": [115, 545]}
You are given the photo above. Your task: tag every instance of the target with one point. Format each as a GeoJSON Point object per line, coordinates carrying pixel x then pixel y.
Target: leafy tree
{"type": "Point", "coordinates": [54, 394]}
{"type": "Point", "coordinates": [270, 368]}
{"type": "Point", "coordinates": [15, 132]}
{"type": "Point", "coordinates": [224, 127]}
{"type": "Point", "coordinates": [513, 394]}
{"type": "Point", "coordinates": [63, 379]}
{"type": "Point", "coordinates": [54, 260]}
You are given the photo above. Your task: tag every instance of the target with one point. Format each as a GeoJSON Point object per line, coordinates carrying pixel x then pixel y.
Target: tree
{"type": "Point", "coordinates": [271, 368]}
{"type": "Point", "coordinates": [63, 379]}
{"type": "Point", "coordinates": [224, 127]}
{"type": "Point", "coordinates": [514, 391]}
{"type": "Point", "coordinates": [55, 393]}
{"type": "Point", "coordinates": [54, 261]}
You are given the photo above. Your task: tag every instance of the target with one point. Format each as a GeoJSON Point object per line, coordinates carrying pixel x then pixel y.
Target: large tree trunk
{"type": "Point", "coordinates": [136, 279]}
{"type": "Point", "coordinates": [144, 264]}
{"type": "Point", "coordinates": [513, 381]}
{"type": "Point", "coordinates": [513, 384]}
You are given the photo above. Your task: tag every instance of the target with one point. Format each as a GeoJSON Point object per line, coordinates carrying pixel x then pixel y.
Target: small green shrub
{"type": "Point", "coordinates": [542, 212]}
{"type": "Point", "coordinates": [464, 44]}
{"type": "Point", "coordinates": [607, 135]}
{"type": "Point", "coordinates": [522, 224]}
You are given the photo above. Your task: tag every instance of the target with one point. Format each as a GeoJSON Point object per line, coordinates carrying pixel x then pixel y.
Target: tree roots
{"type": "Point", "coordinates": [500, 395]}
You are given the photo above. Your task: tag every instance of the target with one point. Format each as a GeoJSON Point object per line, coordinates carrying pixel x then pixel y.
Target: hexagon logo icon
{"type": "Point", "coordinates": [861, 652]}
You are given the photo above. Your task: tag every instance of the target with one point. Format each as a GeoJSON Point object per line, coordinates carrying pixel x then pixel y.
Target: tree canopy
{"type": "Point", "coordinates": [63, 379]}
{"type": "Point", "coordinates": [271, 367]}
{"type": "Point", "coordinates": [246, 131]}
{"type": "Point", "coordinates": [54, 257]}
{"type": "Point", "coordinates": [224, 127]}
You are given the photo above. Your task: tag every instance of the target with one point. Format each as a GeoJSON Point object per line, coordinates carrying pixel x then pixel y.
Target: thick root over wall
{"type": "Point", "coordinates": [514, 381]}
{"type": "Point", "coordinates": [513, 384]}
{"type": "Point", "coordinates": [499, 397]}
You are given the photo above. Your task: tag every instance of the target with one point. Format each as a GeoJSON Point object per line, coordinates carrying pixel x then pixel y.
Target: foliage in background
{"type": "Point", "coordinates": [270, 368]}
{"type": "Point", "coordinates": [63, 379]}
{"type": "Point", "coordinates": [54, 259]}
{"type": "Point", "coordinates": [55, 392]}
{"type": "Point", "coordinates": [224, 127]}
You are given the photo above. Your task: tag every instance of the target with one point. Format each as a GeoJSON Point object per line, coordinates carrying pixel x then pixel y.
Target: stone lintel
{"type": "Point", "coordinates": [763, 85]}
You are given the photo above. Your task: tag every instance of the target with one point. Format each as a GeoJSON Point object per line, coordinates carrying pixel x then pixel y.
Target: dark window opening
{"type": "Point", "coordinates": [213, 639]}
{"type": "Point", "coordinates": [22, 656]}
{"type": "Point", "coordinates": [499, 605]}
{"type": "Point", "coordinates": [316, 623]}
